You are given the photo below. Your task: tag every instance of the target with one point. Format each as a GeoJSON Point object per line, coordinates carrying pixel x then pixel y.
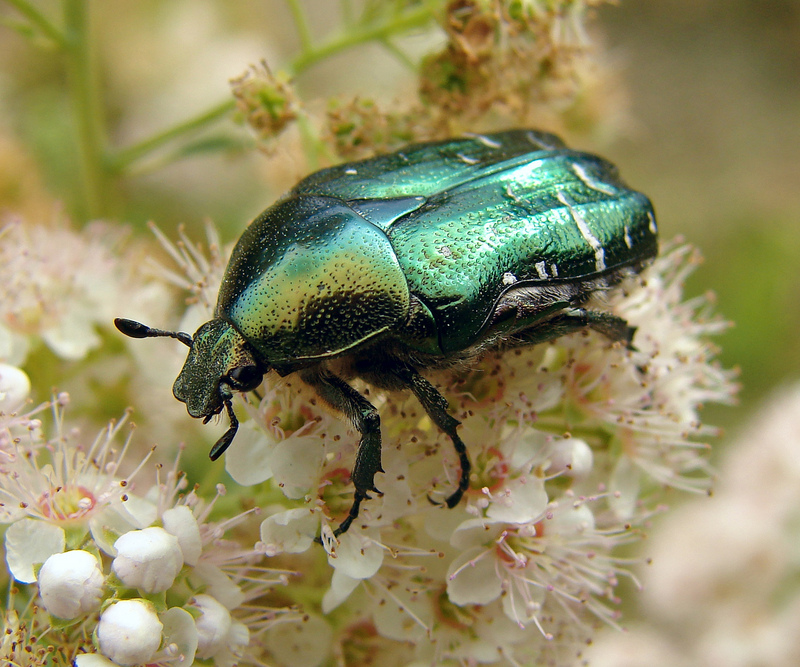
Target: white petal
{"type": "Point", "coordinates": [180, 635]}
{"type": "Point", "coordinates": [30, 542]}
{"type": "Point", "coordinates": [13, 346]}
{"type": "Point", "coordinates": [213, 625]}
{"type": "Point", "coordinates": [71, 584]}
{"type": "Point", "coordinates": [305, 643]}
{"type": "Point", "coordinates": [570, 520]}
{"type": "Point", "coordinates": [218, 584]}
{"type": "Point", "coordinates": [180, 522]}
{"type": "Point", "coordinates": [292, 531]}
{"type": "Point", "coordinates": [129, 632]}
{"type": "Point", "coordinates": [107, 525]}
{"type": "Point", "coordinates": [341, 587]}
{"type": "Point", "coordinates": [148, 559]}
{"type": "Point", "coordinates": [521, 501]}
{"type": "Point", "coordinates": [296, 464]}
{"type": "Point", "coordinates": [475, 533]}
{"type": "Point", "coordinates": [141, 512]}
{"type": "Point", "coordinates": [93, 660]}
{"type": "Point", "coordinates": [358, 555]}
{"type": "Point", "coordinates": [520, 610]}
{"type": "Point", "coordinates": [250, 462]}
{"type": "Point", "coordinates": [72, 337]}
{"type": "Point", "coordinates": [403, 615]}
{"type": "Point", "coordinates": [472, 579]}
{"type": "Point", "coordinates": [441, 522]}
{"type": "Point", "coordinates": [624, 487]}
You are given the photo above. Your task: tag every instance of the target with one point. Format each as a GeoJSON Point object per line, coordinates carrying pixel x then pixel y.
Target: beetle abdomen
{"type": "Point", "coordinates": [561, 216]}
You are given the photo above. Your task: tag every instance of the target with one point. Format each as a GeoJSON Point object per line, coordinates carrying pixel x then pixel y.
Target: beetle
{"type": "Point", "coordinates": [415, 260]}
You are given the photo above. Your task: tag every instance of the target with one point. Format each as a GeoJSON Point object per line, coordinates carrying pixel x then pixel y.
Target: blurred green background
{"type": "Point", "coordinates": [711, 133]}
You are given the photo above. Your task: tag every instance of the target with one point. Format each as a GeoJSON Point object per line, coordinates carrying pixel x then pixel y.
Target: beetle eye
{"type": "Point", "coordinates": [245, 378]}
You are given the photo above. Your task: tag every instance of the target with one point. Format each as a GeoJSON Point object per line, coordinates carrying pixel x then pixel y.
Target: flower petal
{"type": "Point", "coordinates": [30, 542]}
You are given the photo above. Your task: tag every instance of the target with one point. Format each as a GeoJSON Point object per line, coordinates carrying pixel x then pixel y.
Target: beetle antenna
{"type": "Point", "coordinates": [139, 330]}
{"type": "Point", "coordinates": [227, 438]}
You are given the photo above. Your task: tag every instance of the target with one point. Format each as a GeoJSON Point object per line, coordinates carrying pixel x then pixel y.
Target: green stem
{"type": "Point", "coordinates": [301, 23]}
{"type": "Point", "coordinates": [125, 157]}
{"type": "Point", "coordinates": [415, 18]}
{"type": "Point", "coordinates": [309, 57]}
{"type": "Point", "coordinates": [37, 19]}
{"type": "Point", "coordinates": [87, 109]}
{"type": "Point", "coordinates": [398, 53]}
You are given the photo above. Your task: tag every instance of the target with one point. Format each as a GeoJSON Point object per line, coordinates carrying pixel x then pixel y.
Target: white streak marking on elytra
{"type": "Point", "coordinates": [539, 142]}
{"type": "Point", "coordinates": [512, 196]}
{"type": "Point", "coordinates": [590, 181]}
{"type": "Point", "coordinates": [652, 220]}
{"type": "Point", "coordinates": [628, 241]}
{"type": "Point", "coordinates": [509, 278]}
{"type": "Point", "coordinates": [554, 270]}
{"type": "Point", "coordinates": [351, 171]}
{"type": "Point", "coordinates": [489, 143]}
{"type": "Point", "coordinates": [467, 160]}
{"type": "Point", "coordinates": [541, 269]}
{"type": "Point", "coordinates": [586, 233]}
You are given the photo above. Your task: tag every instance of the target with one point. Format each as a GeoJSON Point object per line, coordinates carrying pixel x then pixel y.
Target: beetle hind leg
{"type": "Point", "coordinates": [436, 406]}
{"type": "Point", "coordinates": [612, 327]}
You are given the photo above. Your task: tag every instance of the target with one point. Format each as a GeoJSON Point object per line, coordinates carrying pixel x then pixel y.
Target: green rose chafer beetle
{"type": "Point", "coordinates": [419, 259]}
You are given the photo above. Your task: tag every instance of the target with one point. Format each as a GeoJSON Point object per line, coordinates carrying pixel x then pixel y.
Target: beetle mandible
{"type": "Point", "coordinates": [412, 261]}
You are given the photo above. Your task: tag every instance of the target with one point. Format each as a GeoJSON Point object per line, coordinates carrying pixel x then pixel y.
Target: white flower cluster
{"type": "Point", "coordinates": [572, 444]}
{"type": "Point", "coordinates": [149, 573]}
{"type": "Point", "coordinates": [723, 586]}
{"type": "Point", "coordinates": [57, 287]}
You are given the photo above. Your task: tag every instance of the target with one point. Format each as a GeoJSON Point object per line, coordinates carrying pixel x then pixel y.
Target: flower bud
{"type": "Point", "coordinates": [14, 387]}
{"type": "Point", "coordinates": [148, 559]}
{"type": "Point", "coordinates": [71, 584]}
{"type": "Point", "coordinates": [129, 632]}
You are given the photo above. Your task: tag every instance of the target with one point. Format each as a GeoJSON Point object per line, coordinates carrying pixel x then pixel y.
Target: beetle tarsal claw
{"type": "Point", "coordinates": [227, 438]}
{"type": "Point", "coordinates": [433, 502]}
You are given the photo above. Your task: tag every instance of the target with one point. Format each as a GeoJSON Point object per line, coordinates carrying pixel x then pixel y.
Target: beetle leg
{"type": "Point", "coordinates": [436, 406]}
{"type": "Point", "coordinates": [342, 397]}
{"type": "Point", "coordinates": [612, 327]}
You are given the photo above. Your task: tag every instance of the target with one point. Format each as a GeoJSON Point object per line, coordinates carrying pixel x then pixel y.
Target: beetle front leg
{"type": "Point", "coordinates": [436, 406]}
{"type": "Point", "coordinates": [364, 416]}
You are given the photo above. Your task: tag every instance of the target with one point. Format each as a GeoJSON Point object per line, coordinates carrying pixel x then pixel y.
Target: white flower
{"type": "Point", "coordinates": [71, 584]}
{"type": "Point", "coordinates": [148, 559]}
{"type": "Point", "coordinates": [58, 284]}
{"type": "Point", "coordinates": [129, 632]}
{"type": "Point", "coordinates": [69, 480]}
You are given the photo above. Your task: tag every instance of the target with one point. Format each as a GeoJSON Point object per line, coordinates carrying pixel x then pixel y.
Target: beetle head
{"type": "Point", "coordinates": [219, 363]}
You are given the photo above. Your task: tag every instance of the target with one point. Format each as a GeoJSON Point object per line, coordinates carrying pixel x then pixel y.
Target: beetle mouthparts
{"type": "Point", "coordinates": [227, 438]}
{"type": "Point", "coordinates": [138, 330]}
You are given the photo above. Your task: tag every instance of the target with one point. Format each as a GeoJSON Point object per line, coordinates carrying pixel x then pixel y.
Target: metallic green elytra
{"type": "Point", "coordinates": [410, 261]}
